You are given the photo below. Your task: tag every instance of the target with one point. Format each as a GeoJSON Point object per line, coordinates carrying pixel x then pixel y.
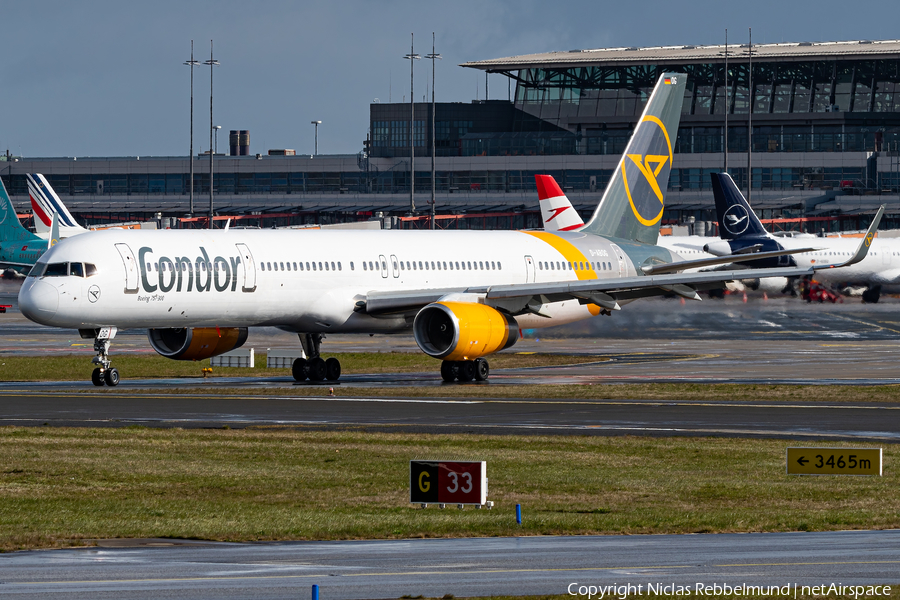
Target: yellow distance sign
{"type": "Point", "coordinates": [834, 461]}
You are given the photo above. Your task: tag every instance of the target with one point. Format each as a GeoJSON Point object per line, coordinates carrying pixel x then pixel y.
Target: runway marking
{"type": "Point", "coordinates": [802, 564]}
{"type": "Point", "coordinates": [876, 326]}
{"type": "Point", "coordinates": [524, 401]}
{"type": "Point", "coordinates": [325, 575]}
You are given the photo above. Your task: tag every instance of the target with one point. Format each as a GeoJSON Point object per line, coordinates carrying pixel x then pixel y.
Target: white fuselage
{"type": "Point", "coordinates": [309, 281]}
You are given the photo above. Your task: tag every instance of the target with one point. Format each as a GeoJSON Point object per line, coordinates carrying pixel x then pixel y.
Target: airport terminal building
{"type": "Point", "coordinates": [825, 142]}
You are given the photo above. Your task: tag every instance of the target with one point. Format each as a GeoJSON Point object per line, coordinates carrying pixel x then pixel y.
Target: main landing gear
{"type": "Point", "coordinates": [465, 370]}
{"type": "Point", "coordinates": [314, 367]}
{"type": "Point", "coordinates": [104, 373]}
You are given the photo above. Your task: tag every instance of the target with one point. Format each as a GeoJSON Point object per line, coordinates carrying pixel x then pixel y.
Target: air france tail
{"type": "Point", "coordinates": [633, 204]}
{"type": "Point", "coordinates": [45, 203]}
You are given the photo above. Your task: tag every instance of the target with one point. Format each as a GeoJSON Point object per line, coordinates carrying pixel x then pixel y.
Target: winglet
{"type": "Point", "coordinates": [864, 244]}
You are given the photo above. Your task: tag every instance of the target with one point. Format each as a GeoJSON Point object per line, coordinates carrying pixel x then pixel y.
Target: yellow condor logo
{"type": "Point", "coordinates": [869, 239]}
{"type": "Point", "coordinates": [650, 166]}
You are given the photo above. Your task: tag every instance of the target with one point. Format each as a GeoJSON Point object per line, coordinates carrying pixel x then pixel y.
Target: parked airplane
{"type": "Point", "coordinates": [45, 203]}
{"type": "Point", "coordinates": [19, 248]}
{"type": "Point", "coordinates": [741, 231]}
{"type": "Point", "coordinates": [464, 294]}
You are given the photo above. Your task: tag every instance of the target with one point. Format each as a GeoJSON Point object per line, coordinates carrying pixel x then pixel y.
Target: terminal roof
{"type": "Point", "coordinates": [661, 55]}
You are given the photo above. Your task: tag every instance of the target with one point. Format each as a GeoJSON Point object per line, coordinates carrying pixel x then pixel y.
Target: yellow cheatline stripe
{"type": "Point", "coordinates": [569, 252]}
{"type": "Point", "coordinates": [308, 576]}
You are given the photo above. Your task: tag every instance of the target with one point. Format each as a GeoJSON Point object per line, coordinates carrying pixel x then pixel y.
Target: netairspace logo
{"type": "Point", "coordinates": [791, 590]}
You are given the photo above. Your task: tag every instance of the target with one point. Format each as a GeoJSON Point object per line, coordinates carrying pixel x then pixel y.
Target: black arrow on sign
{"type": "Point", "coordinates": [802, 460]}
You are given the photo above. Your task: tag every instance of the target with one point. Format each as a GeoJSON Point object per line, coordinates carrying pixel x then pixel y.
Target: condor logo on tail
{"type": "Point", "coordinates": [642, 174]}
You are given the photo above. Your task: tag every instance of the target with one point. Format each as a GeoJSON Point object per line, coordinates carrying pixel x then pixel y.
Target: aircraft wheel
{"type": "Point", "coordinates": [300, 369]}
{"type": "Point", "coordinates": [111, 377]}
{"type": "Point", "coordinates": [482, 369]}
{"type": "Point", "coordinates": [332, 369]}
{"type": "Point", "coordinates": [317, 370]}
{"type": "Point", "coordinates": [97, 377]}
{"type": "Point", "coordinates": [449, 370]}
{"type": "Point", "coordinates": [466, 370]}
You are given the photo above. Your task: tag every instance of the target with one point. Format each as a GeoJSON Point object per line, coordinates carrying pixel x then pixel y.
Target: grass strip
{"type": "Point", "coordinates": [61, 486]}
{"type": "Point", "coordinates": [77, 367]}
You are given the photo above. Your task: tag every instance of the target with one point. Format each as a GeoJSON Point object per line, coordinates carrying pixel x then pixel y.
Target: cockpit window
{"type": "Point", "coordinates": [37, 270]}
{"type": "Point", "coordinates": [57, 270]}
{"type": "Point", "coordinates": [76, 269]}
{"type": "Point", "coordinates": [90, 270]}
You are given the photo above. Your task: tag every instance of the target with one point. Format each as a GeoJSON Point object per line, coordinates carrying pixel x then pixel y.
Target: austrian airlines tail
{"type": "Point", "coordinates": [45, 203]}
{"type": "Point", "coordinates": [557, 212]}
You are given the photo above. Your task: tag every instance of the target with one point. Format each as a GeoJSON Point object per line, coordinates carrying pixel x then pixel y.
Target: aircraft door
{"type": "Point", "coordinates": [249, 268]}
{"type": "Point", "coordinates": [384, 265]}
{"type": "Point", "coordinates": [529, 269]}
{"type": "Point", "coordinates": [395, 265]}
{"type": "Point", "coordinates": [131, 271]}
{"type": "Point", "coordinates": [885, 256]}
{"type": "Point", "coordinates": [620, 260]}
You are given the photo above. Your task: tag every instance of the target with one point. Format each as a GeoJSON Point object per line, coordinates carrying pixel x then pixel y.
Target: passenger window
{"type": "Point", "coordinates": [469, 266]}
{"type": "Point", "coordinates": [445, 265]}
{"type": "Point", "coordinates": [301, 266]}
{"type": "Point", "coordinates": [90, 270]}
{"type": "Point", "coordinates": [76, 269]}
{"type": "Point", "coordinates": [401, 265]}
{"type": "Point", "coordinates": [289, 266]}
{"type": "Point", "coordinates": [540, 265]}
{"type": "Point", "coordinates": [320, 266]}
{"type": "Point", "coordinates": [295, 266]}
{"type": "Point", "coordinates": [339, 266]}
{"type": "Point", "coordinates": [499, 267]}
{"type": "Point", "coordinates": [365, 268]}
{"type": "Point", "coordinates": [371, 266]}
{"type": "Point", "coordinates": [280, 264]}
{"type": "Point", "coordinates": [307, 267]}
{"type": "Point", "coordinates": [352, 267]}
{"type": "Point", "coordinates": [314, 266]}
{"type": "Point", "coordinates": [492, 265]}
{"type": "Point", "coordinates": [420, 265]}
{"type": "Point", "coordinates": [383, 266]}
{"type": "Point", "coordinates": [326, 265]}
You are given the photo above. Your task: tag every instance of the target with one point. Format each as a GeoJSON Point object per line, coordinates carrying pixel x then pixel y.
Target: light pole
{"type": "Point", "coordinates": [316, 123]}
{"type": "Point", "coordinates": [217, 128]}
{"type": "Point", "coordinates": [212, 63]}
{"type": "Point", "coordinates": [412, 56]}
{"type": "Point", "coordinates": [192, 63]}
{"type": "Point", "coordinates": [433, 58]}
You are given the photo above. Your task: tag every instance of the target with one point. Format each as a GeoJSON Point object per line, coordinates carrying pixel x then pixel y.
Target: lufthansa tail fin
{"type": "Point", "coordinates": [557, 212]}
{"type": "Point", "coordinates": [45, 203]}
{"type": "Point", "coordinates": [633, 203]}
{"type": "Point", "coordinates": [736, 218]}
{"type": "Point", "coordinates": [11, 229]}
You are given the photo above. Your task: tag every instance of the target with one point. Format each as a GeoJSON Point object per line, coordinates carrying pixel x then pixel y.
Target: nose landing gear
{"type": "Point", "coordinates": [314, 367]}
{"type": "Point", "coordinates": [103, 373]}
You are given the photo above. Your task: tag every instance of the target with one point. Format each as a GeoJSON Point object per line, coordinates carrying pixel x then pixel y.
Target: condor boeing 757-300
{"type": "Point", "coordinates": [464, 294]}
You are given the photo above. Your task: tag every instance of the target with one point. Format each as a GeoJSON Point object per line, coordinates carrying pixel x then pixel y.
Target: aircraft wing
{"type": "Point", "coordinates": [5, 264]}
{"type": "Point", "coordinates": [603, 292]}
{"type": "Point", "coordinates": [719, 260]}
{"type": "Point", "coordinates": [863, 249]}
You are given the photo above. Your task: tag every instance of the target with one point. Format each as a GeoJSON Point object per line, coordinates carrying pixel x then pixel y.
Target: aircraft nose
{"type": "Point", "coordinates": [39, 301]}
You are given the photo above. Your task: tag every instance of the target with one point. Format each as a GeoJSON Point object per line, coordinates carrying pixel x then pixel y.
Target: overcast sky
{"type": "Point", "coordinates": [106, 78]}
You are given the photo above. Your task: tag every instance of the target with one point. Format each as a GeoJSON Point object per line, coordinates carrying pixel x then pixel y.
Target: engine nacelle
{"type": "Point", "coordinates": [196, 343]}
{"type": "Point", "coordinates": [718, 248]}
{"type": "Point", "coordinates": [463, 330]}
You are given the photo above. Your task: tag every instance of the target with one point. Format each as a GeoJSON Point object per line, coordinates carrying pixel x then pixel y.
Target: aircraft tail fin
{"type": "Point", "coordinates": [557, 212]}
{"type": "Point", "coordinates": [11, 229]}
{"type": "Point", "coordinates": [736, 217]}
{"type": "Point", "coordinates": [633, 203]}
{"type": "Point", "coordinates": [45, 203]}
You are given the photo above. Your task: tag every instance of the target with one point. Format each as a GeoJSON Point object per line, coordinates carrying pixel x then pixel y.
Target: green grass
{"type": "Point", "coordinates": [77, 367]}
{"type": "Point", "coordinates": [63, 486]}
